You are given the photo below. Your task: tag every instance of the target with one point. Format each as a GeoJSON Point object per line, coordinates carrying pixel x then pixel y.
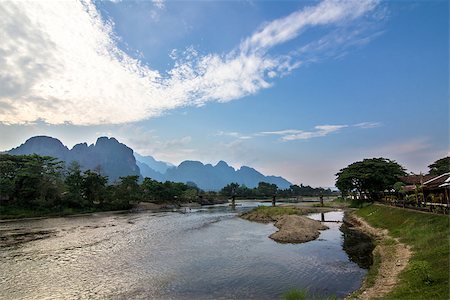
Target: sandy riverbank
{"type": "Point", "coordinates": [292, 228]}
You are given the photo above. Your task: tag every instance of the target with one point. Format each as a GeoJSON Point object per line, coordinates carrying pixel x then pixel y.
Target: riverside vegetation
{"type": "Point", "coordinates": [34, 185]}
{"type": "Point", "coordinates": [427, 273]}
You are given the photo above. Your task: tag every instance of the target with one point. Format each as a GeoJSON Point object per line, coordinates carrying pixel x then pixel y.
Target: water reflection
{"type": "Point", "coordinates": [208, 253]}
{"type": "Point", "coordinates": [358, 246]}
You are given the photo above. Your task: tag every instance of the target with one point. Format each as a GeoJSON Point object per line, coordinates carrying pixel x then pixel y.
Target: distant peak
{"type": "Point", "coordinates": [190, 163]}
{"type": "Point", "coordinates": [106, 139]}
{"type": "Point", "coordinates": [43, 138]}
{"type": "Point", "coordinates": [222, 164]}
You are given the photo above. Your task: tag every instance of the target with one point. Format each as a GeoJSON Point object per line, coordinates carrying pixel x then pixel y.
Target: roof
{"type": "Point", "coordinates": [438, 181]}
{"type": "Point", "coordinates": [416, 179]}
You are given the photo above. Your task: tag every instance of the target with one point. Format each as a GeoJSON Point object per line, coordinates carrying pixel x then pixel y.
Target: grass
{"type": "Point", "coordinates": [271, 211]}
{"type": "Point", "coordinates": [427, 274]}
{"type": "Point", "coordinates": [303, 294]}
{"type": "Point", "coordinates": [295, 294]}
{"type": "Point", "coordinates": [277, 210]}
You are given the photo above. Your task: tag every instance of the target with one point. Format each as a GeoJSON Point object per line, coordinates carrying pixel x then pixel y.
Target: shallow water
{"type": "Point", "coordinates": [203, 254]}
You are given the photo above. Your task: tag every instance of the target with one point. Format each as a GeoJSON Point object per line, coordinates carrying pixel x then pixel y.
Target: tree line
{"type": "Point", "coordinates": [43, 182]}
{"type": "Point", "coordinates": [38, 182]}
{"type": "Point", "coordinates": [265, 189]}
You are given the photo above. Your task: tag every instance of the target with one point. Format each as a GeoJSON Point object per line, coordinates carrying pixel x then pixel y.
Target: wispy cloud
{"type": "Point", "coordinates": [368, 125]}
{"type": "Point", "coordinates": [233, 134]}
{"type": "Point", "coordinates": [292, 134]}
{"type": "Point", "coordinates": [298, 134]}
{"type": "Point", "coordinates": [60, 63]}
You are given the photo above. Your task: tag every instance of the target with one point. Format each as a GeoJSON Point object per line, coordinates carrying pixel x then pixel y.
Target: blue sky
{"type": "Point", "coordinates": [293, 88]}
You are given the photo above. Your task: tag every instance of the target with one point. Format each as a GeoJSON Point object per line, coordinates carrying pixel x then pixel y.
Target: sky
{"type": "Point", "coordinates": [298, 89]}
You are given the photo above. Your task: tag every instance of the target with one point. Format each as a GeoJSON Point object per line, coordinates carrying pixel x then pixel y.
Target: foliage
{"type": "Point", "coordinates": [369, 178]}
{"type": "Point", "coordinates": [264, 190]}
{"type": "Point", "coordinates": [32, 180]}
{"type": "Point", "coordinates": [32, 185]}
{"type": "Point", "coordinates": [155, 191]}
{"type": "Point", "coordinates": [427, 276]}
{"type": "Point", "coordinates": [440, 166]}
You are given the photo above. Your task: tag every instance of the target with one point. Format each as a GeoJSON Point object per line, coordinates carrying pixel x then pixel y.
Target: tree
{"type": "Point", "coordinates": [440, 166]}
{"type": "Point", "coordinates": [369, 177]}
{"type": "Point", "coordinates": [267, 189]}
{"type": "Point", "coordinates": [9, 165]}
{"type": "Point", "coordinates": [127, 192]}
{"type": "Point", "coordinates": [38, 181]}
{"type": "Point", "coordinates": [230, 189]}
{"type": "Point", "coordinates": [93, 189]}
{"type": "Point", "coordinates": [74, 185]}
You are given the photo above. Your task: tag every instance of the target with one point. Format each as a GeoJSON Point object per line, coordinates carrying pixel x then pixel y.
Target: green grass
{"type": "Point", "coordinates": [295, 294]}
{"type": "Point", "coordinates": [271, 211]}
{"type": "Point", "coordinates": [427, 274]}
{"type": "Point", "coordinates": [277, 210]}
{"type": "Point", "coordinates": [303, 294]}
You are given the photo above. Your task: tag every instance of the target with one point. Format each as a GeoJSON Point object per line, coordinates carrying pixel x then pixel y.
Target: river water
{"type": "Point", "coordinates": [207, 253]}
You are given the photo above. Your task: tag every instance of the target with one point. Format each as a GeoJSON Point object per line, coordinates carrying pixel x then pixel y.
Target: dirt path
{"type": "Point", "coordinates": [394, 257]}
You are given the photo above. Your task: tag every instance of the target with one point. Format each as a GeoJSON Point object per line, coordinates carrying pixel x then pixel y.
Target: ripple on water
{"type": "Point", "coordinates": [206, 254]}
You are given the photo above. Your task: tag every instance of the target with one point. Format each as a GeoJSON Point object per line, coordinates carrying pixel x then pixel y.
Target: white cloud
{"type": "Point", "coordinates": [159, 3]}
{"type": "Point", "coordinates": [59, 62]}
{"type": "Point", "coordinates": [366, 125]}
{"type": "Point", "coordinates": [295, 134]}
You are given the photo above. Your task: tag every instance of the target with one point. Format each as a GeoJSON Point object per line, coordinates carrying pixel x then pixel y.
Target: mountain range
{"type": "Point", "coordinates": [115, 159]}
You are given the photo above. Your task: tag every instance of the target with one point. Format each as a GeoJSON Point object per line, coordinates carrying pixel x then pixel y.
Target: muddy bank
{"type": "Point", "coordinates": [292, 228]}
{"type": "Point", "coordinates": [393, 255]}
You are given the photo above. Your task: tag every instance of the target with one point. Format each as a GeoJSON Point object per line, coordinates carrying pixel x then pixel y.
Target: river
{"type": "Point", "coordinates": [207, 253]}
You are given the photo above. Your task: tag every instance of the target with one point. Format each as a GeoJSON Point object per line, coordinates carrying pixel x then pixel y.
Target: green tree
{"type": "Point", "coordinates": [151, 190]}
{"type": "Point", "coordinates": [127, 192]}
{"type": "Point", "coordinates": [74, 186]}
{"type": "Point", "coordinates": [440, 166]}
{"type": "Point", "coordinates": [38, 182]}
{"type": "Point", "coordinates": [9, 166]}
{"type": "Point", "coordinates": [369, 177]}
{"type": "Point", "coordinates": [230, 189]}
{"type": "Point", "coordinates": [266, 189]}
{"type": "Point", "coordinates": [93, 188]}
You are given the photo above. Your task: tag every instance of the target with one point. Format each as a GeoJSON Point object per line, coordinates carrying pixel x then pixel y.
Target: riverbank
{"type": "Point", "coordinates": [411, 258]}
{"type": "Point", "coordinates": [293, 226]}
{"type": "Point", "coordinates": [390, 257]}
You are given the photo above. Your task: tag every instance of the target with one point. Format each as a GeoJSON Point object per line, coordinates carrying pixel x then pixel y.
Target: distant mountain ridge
{"type": "Point", "coordinates": [214, 178]}
{"type": "Point", "coordinates": [115, 159]}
